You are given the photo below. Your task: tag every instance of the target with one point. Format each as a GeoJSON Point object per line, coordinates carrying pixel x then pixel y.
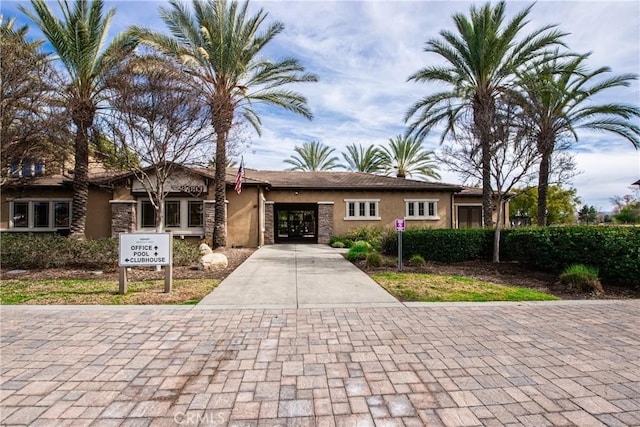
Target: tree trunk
{"type": "Point", "coordinates": [543, 186]}
{"type": "Point", "coordinates": [222, 110]}
{"type": "Point", "coordinates": [82, 117]}
{"type": "Point", "coordinates": [160, 209]}
{"type": "Point", "coordinates": [483, 118]}
{"type": "Point", "coordinates": [498, 230]}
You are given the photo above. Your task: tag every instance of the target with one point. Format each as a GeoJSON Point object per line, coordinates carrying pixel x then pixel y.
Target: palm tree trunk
{"type": "Point", "coordinates": [83, 119]}
{"type": "Point", "coordinates": [483, 117]}
{"type": "Point", "coordinates": [220, 226]}
{"type": "Point", "coordinates": [543, 180]}
{"type": "Point", "coordinates": [222, 112]}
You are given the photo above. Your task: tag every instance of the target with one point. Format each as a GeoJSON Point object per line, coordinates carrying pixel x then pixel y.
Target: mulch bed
{"type": "Point", "coordinates": [235, 256]}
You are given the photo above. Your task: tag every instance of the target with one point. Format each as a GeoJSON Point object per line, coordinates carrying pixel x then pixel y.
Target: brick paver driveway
{"type": "Point", "coordinates": [561, 363]}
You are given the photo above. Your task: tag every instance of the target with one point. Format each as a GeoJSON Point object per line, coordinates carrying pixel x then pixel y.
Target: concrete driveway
{"type": "Point", "coordinates": [298, 276]}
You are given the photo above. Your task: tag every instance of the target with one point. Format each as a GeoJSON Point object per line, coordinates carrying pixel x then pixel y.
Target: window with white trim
{"type": "Point", "coordinates": [362, 209]}
{"type": "Point", "coordinates": [421, 209]}
{"type": "Point", "coordinates": [183, 216]}
{"type": "Point", "coordinates": [40, 215]}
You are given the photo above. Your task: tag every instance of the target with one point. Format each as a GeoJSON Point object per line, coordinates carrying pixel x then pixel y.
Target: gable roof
{"type": "Point", "coordinates": [636, 183]}
{"type": "Point", "coordinates": [329, 180]}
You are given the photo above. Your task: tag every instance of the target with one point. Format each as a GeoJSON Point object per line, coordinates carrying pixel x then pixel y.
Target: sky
{"type": "Point", "coordinates": [364, 51]}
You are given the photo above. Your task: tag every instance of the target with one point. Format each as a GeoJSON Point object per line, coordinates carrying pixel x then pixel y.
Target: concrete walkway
{"type": "Point", "coordinates": [298, 276]}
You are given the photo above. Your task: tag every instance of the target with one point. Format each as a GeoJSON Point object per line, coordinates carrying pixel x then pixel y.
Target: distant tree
{"type": "Point", "coordinates": [480, 62]}
{"type": "Point", "coordinates": [32, 126]}
{"type": "Point", "coordinates": [361, 159]}
{"type": "Point", "coordinates": [405, 157]}
{"type": "Point", "coordinates": [313, 156]}
{"type": "Point", "coordinates": [158, 123]}
{"type": "Point", "coordinates": [222, 46]}
{"type": "Point", "coordinates": [626, 208]}
{"type": "Point", "coordinates": [87, 55]}
{"type": "Point", "coordinates": [588, 215]}
{"type": "Point", "coordinates": [558, 95]}
{"type": "Point", "coordinates": [561, 204]}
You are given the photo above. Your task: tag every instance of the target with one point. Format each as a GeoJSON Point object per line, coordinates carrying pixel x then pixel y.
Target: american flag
{"type": "Point", "coordinates": [239, 177]}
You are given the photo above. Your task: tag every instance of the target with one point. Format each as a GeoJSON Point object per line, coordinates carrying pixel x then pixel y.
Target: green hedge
{"type": "Point", "coordinates": [36, 251]}
{"type": "Point", "coordinates": [614, 251]}
{"type": "Point", "coordinates": [442, 245]}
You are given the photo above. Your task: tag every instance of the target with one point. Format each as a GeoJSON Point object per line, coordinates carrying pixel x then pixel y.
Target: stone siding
{"type": "Point", "coordinates": [325, 222]}
{"type": "Point", "coordinates": [209, 220]}
{"type": "Point", "coordinates": [269, 225]}
{"type": "Point", "coordinates": [123, 217]}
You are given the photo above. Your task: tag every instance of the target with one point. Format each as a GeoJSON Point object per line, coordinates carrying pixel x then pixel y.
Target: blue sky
{"type": "Point", "coordinates": [363, 52]}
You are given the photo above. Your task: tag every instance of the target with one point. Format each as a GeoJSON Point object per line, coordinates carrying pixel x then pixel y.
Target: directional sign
{"type": "Point", "coordinates": [400, 224]}
{"type": "Point", "coordinates": [144, 249]}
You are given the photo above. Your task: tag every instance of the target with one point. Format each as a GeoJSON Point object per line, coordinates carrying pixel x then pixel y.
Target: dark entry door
{"type": "Point", "coordinates": [469, 216]}
{"type": "Point", "coordinates": [296, 222]}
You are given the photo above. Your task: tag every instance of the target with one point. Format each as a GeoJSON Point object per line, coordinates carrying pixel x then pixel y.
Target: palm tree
{"type": "Point", "coordinates": [480, 62]}
{"type": "Point", "coordinates": [557, 96]}
{"type": "Point", "coordinates": [220, 45]}
{"type": "Point", "coordinates": [369, 160]}
{"type": "Point", "coordinates": [406, 157]}
{"type": "Point", "coordinates": [313, 156]}
{"type": "Point", "coordinates": [80, 41]}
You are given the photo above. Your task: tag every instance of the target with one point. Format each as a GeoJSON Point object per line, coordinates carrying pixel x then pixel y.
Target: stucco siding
{"type": "Point", "coordinates": [243, 217]}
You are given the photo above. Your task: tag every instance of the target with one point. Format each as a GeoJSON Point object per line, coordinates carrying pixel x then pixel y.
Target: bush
{"type": "Point", "coordinates": [614, 251]}
{"type": "Point", "coordinates": [442, 245]}
{"type": "Point", "coordinates": [373, 259]}
{"type": "Point", "coordinates": [40, 251]}
{"type": "Point", "coordinates": [359, 250]}
{"type": "Point", "coordinates": [337, 244]}
{"type": "Point", "coordinates": [417, 261]}
{"type": "Point", "coordinates": [346, 243]}
{"type": "Point", "coordinates": [581, 278]}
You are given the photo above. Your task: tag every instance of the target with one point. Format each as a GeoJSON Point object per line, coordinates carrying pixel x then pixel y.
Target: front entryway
{"type": "Point", "coordinates": [296, 222]}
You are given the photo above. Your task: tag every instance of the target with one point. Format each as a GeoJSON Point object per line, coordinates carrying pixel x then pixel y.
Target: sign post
{"type": "Point", "coordinates": [400, 227]}
{"type": "Point", "coordinates": [142, 250]}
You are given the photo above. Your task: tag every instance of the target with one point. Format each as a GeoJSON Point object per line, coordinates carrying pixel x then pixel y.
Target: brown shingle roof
{"type": "Point", "coordinates": [335, 181]}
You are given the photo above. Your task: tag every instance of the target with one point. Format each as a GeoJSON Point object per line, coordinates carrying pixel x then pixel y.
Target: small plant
{"type": "Point", "coordinates": [359, 250]}
{"type": "Point", "coordinates": [417, 261]}
{"type": "Point", "coordinates": [582, 278]}
{"type": "Point", "coordinates": [373, 260]}
{"type": "Point", "coordinates": [337, 244]}
{"type": "Point", "coordinates": [346, 242]}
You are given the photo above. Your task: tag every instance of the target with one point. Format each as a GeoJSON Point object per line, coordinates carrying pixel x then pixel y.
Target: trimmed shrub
{"type": "Point", "coordinates": [359, 250]}
{"type": "Point", "coordinates": [417, 261]}
{"type": "Point", "coordinates": [613, 251]}
{"type": "Point", "coordinates": [347, 243]}
{"type": "Point", "coordinates": [337, 245]}
{"type": "Point", "coordinates": [581, 278]}
{"type": "Point", "coordinates": [373, 259]}
{"type": "Point", "coordinates": [39, 251]}
{"type": "Point", "coordinates": [442, 245]}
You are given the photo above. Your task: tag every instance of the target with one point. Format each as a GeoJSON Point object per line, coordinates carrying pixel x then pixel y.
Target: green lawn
{"type": "Point", "coordinates": [95, 291]}
{"type": "Point", "coordinates": [436, 288]}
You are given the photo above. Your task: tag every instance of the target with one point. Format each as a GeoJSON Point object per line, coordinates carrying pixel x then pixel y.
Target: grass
{"type": "Point", "coordinates": [95, 291]}
{"type": "Point", "coordinates": [436, 288]}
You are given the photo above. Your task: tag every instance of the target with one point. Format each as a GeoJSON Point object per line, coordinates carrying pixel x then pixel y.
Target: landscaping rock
{"type": "Point", "coordinates": [212, 261]}
{"type": "Point", "coordinates": [205, 249]}
{"type": "Point", "coordinates": [17, 271]}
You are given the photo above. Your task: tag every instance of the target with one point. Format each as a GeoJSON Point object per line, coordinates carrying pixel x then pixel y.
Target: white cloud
{"type": "Point", "coordinates": [364, 51]}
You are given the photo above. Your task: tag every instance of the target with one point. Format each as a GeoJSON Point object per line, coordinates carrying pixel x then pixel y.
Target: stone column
{"type": "Point", "coordinates": [209, 220]}
{"type": "Point", "coordinates": [325, 222]}
{"type": "Point", "coordinates": [269, 225]}
{"type": "Point", "coordinates": [123, 216]}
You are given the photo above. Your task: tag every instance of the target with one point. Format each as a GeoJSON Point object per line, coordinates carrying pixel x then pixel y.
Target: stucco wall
{"type": "Point", "coordinates": [242, 217]}
{"type": "Point", "coordinates": [391, 206]}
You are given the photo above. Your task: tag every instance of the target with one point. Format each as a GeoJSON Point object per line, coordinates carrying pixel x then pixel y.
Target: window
{"type": "Point", "coordinates": [357, 209]}
{"type": "Point", "coordinates": [195, 214]}
{"type": "Point", "coordinates": [172, 213]}
{"type": "Point", "coordinates": [421, 209]}
{"type": "Point", "coordinates": [182, 216]}
{"type": "Point", "coordinates": [40, 214]}
{"type": "Point", "coordinates": [27, 167]}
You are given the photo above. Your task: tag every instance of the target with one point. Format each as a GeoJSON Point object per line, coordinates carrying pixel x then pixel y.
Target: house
{"type": "Point", "coordinates": [272, 207]}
